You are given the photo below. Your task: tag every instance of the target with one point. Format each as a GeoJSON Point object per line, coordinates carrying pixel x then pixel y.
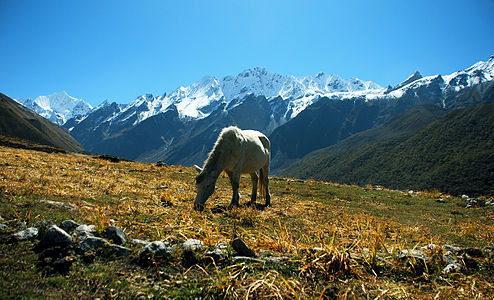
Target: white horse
{"type": "Point", "coordinates": [236, 152]}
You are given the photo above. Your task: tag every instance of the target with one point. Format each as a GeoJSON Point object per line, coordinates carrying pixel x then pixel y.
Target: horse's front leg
{"type": "Point", "coordinates": [253, 177]}
{"type": "Point", "coordinates": [235, 182]}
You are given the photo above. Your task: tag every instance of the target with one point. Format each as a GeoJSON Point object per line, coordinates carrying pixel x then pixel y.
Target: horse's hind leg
{"type": "Point", "coordinates": [235, 182]}
{"type": "Point", "coordinates": [264, 176]}
{"type": "Point", "coordinates": [253, 176]}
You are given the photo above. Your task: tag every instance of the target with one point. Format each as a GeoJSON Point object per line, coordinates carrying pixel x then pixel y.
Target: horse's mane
{"type": "Point", "coordinates": [216, 158]}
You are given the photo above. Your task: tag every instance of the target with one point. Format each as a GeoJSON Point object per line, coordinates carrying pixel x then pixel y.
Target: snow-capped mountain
{"type": "Point", "coordinates": [444, 85]}
{"type": "Point", "coordinates": [58, 107]}
{"type": "Point", "coordinates": [200, 99]}
{"type": "Point", "coordinates": [180, 127]}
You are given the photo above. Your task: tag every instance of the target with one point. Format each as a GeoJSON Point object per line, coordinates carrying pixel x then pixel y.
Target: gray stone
{"type": "Point", "coordinates": [115, 234]}
{"type": "Point", "coordinates": [44, 225]}
{"type": "Point", "coordinates": [69, 225]}
{"type": "Point", "coordinates": [216, 255]}
{"type": "Point", "coordinates": [222, 245]}
{"type": "Point", "coordinates": [85, 230]}
{"type": "Point", "coordinates": [92, 242]}
{"type": "Point", "coordinates": [241, 248]}
{"type": "Point", "coordinates": [3, 227]}
{"type": "Point", "coordinates": [277, 259]}
{"type": "Point", "coordinates": [55, 237]}
{"type": "Point", "coordinates": [192, 245]}
{"type": "Point", "coordinates": [119, 251]}
{"type": "Point", "coordinates": [158, 249]}
{"type": "Point", "coordinates": [453, 268]}
{"type": "Point", "coordinates": [138, 242]}
{"type": "Point", "coordinates": [416, 254]}
{"type": "Point", "coordinates": [247, 259]}
{"type": "Point", "coordinates": [430, 247]}
{"type": "Point", "coordinates": [453, 249]}
{"type": "Point", "coordinates": [58, 204]}
{"type": "Point", "coordinates": [25, 235]}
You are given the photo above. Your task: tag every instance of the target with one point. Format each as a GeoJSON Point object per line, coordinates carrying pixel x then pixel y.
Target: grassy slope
{"type": "Point", "coordinates": [453, 154]}
{"type": "Point", "coordinates": [331, 219]}
{"type": "Point", "coordinates": [22, 124]}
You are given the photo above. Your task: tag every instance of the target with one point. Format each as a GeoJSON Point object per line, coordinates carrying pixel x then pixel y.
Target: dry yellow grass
{"type": "Point", "coordinates": [341, 240]}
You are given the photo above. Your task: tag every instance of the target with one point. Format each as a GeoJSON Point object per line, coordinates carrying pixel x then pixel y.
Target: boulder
{"type": "Point", "coordinates": [119, 251]}
{"type": "Point", "coordinates": [216, 255]}
{"type": "Point", "coordinates": [115, 234]}
{"type": "Point", "coordinates": [92, 242]}
{"type": "Point", "coordinates": [241, 248]}
{"type": "Point", "coordinates": [25, 235]}
{"type": "Point", "coordinates": [157, 249]}
{"type": "Point", "coordinates": [69, 225]}
{"type": "Point", "coordinates": [138, 242]}
{"type": "Point", "coordinates": [192, 245]}
{"type": "Point", "coordinates": [85, 230]}
{"type": "Point", "coordinates": [54, 237]}
{"type": "Point", "coordinates": [3, 227]}
{"type": "Point", "coordinates": [58, 204]}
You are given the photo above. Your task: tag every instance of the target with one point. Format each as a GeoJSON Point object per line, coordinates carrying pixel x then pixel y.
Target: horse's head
{"type": "Point", "coordinates": [205, 187]}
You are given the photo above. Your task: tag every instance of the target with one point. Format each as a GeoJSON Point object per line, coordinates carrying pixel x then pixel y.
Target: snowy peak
{"type": "Point", "coordinates": [57, 107]}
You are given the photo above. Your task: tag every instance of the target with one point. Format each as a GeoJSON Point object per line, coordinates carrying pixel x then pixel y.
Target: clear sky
{"type": "Point", "coordinates": [118, 50]}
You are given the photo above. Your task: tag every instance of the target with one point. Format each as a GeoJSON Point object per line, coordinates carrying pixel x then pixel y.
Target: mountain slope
{"type": "Point", "coordinates": [57, 107]}
{"type": "Point", "coordinates": [329, 121]}
{"type": "Point", "coordinates": [453, 154]}
{"type": "Point", "coordinates": [19, 123]}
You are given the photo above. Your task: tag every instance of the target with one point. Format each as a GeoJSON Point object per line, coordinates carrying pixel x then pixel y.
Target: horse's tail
{"type": "Point", "coordinates": [262, 184]}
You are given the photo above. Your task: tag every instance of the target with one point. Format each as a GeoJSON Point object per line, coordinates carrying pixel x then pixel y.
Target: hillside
{"type": "Point", "coordinates": [318, 240]}
{"type": "Point", "coordinates": [453, 154]}
{"type": "Point", "coordinates": [22, 127]}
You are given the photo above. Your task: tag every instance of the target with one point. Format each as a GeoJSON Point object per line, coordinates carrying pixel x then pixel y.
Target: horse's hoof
{"type": "Point", "coordinates": [198, 207]}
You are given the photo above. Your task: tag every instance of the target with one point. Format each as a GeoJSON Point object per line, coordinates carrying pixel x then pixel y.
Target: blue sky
{"type": "Point", "coordinates": [118, 50]}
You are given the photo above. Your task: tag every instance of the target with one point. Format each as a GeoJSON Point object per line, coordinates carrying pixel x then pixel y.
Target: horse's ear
{"type": "Point", "coordinates": [198, 169]}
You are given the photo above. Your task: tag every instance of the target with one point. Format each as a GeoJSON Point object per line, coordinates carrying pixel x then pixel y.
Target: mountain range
{"type": "Point", "coordinates": [57, 107]}
{"type": "Point", "coordinates": [300, 115]}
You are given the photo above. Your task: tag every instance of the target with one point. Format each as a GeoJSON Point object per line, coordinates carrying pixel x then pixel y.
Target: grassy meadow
{"type": "Point", "coordinates": [340, 241]}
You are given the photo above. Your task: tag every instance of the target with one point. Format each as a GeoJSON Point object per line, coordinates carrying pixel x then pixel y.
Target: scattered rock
{"type": "Point", "coordinates": [216, 255]}
{"type": "Point", "coordinates": [440, 200]}
{"type": "Point", "coordinates": [138, 242]}
{"type": "Point", "coordinates": [417, 255]}
{"type": "Point", "coordinates": [43, 226]}
{"type": "Point", "coordinates": [453, 249]}
{"type": "Point", "coordinates": [115, 234]}
{"type": "Point", "coordinates": [85, 230]}
{"type": "Point", "coordinates": [3, 227]}
{"type": "Point", "coordinates": [453, 268]}
{"type": "Point", "coordinates": [247, 258]}
{"type": "Point", "coordinates": [241, 248]}
{"type": "Point", "coordinates": [54, 237]}
{"type": "Point", "coordinates": [58, 204]}
{"type": "Point", "coordinates": [222, 245]}
{"type": "Point", "coordinates": [474, 202]}
{"type": "Point", "coordinates": [69, 225]}
{"type": "Point", "coordinates": [25, 235]}
{"type": "Point", "coordinates": [192, 245]}
{"type": "Point", "coordinates": [157, 249]}
{"type": "Point", "coordinates": [119, 251]}
{"type": "Point", "coordinates": [92, 242]}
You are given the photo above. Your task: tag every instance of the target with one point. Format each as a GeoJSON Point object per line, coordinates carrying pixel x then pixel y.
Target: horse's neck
{"type": "Point", "coordinates": [215, 163]}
